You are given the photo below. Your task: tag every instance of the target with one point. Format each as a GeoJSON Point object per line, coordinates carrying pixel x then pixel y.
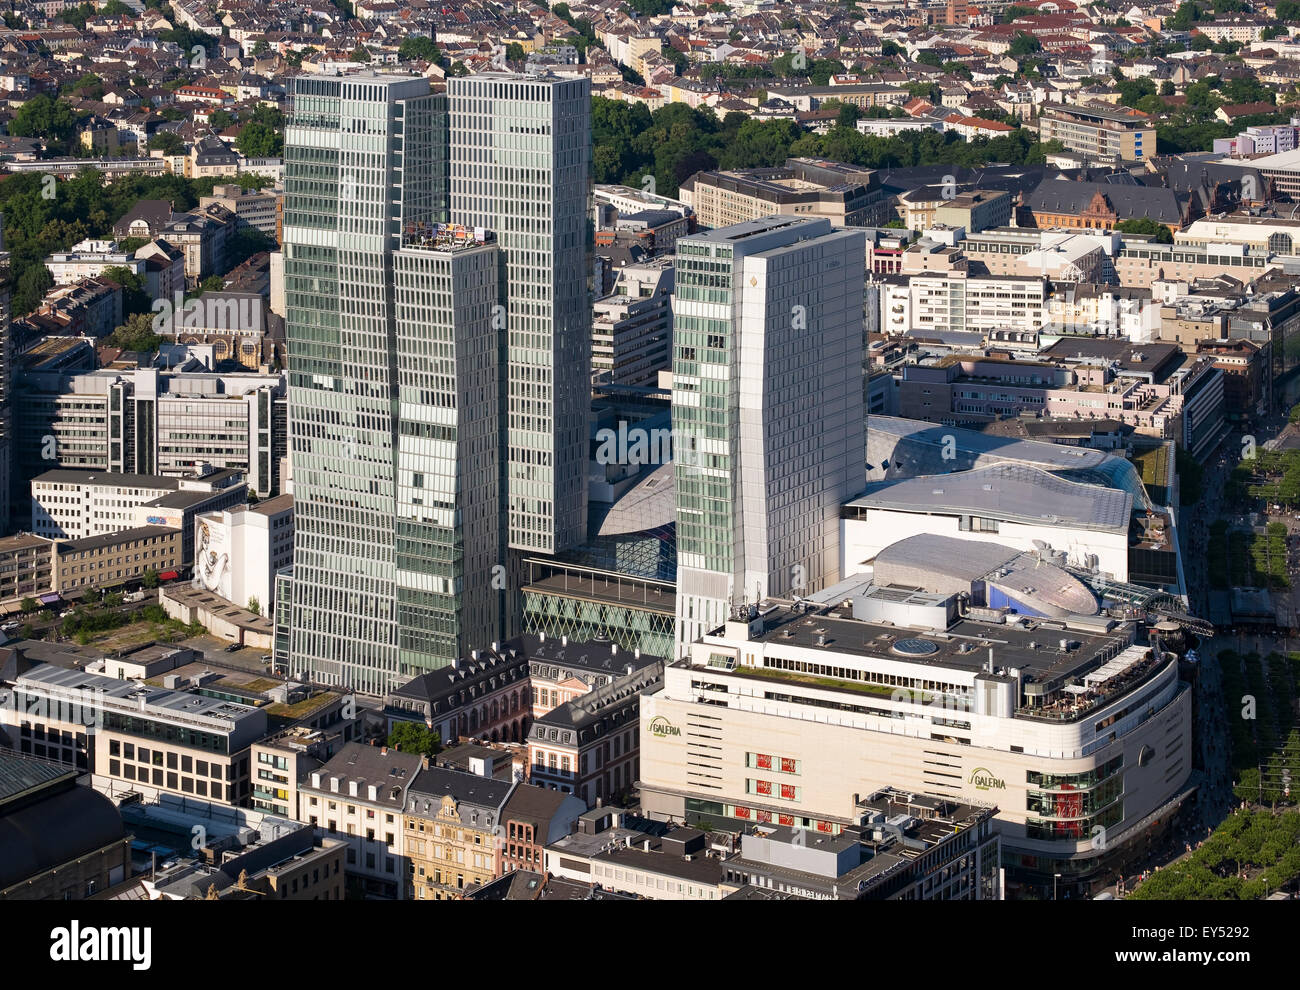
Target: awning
{"type": "Point", "coordinates": [168, 576]}
{"type": "Point", "coordinates": [49, 599]}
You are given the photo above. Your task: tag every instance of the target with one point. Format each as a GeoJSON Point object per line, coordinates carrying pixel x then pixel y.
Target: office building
{"type": "Point", "coordinates": [448, 481]}
{"type": "Point", "coordinates": [149, 421]}
{"type": "Point", "coordinates": [73, 505]}
{"type": "Point", "coordinates": [846, 195]}
{"type": "Point", "coordinates": [6, 389]}
{"type": "Point", "coordinates": [520, 165]}
{"type": "Point", "coordinates": [401, 468]}
{"type": "Point", "coordinates": [767, 411]}
{"type": "Point", "coordinates": [632, 327]}
{"type": "Point", "coordinates": [360, 158]}
{"type": "Point", "coordinates": [1077, 728]}
{"type": "Point", "coordinates": [134, 737]}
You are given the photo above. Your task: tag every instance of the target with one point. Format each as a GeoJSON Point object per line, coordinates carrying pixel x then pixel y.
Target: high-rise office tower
{"type": "Point", "coordinates": [520, 164]}
{"type": "Point", "coordinates": [362, 161]}
{"type": "Point", "coordinates": [435, 264]}
{"type": "Point", "coordinates": [767, 411]}
{"type": "Point", "coordinates": [448, 534]}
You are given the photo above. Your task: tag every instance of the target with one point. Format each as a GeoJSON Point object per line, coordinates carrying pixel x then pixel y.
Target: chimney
{"type": "Point", "coordinates": [383, 751]}
{"type": "Point", "coordinates": [613, 649]}
{"type": "Point", "coordinates": [564, 640]}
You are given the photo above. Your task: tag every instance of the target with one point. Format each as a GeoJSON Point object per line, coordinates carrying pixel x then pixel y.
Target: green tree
{"type": "Point", "coordinates": [254, 605]}
{"type": "Point", "coordinates": [418, 46]}
{"type": "Point", "coordinates": [28, 606]}
{"type": "Point", "coordinates": [187, 39]}
{"type": "Point", "coordinates": [1145, 225]}
{"type": "Point", "coordinates": [515, 52]}
{"type": "Point", "coordinates": [136, 334]}
{"type": "Point", "coordinates": [1023, 44]}
{"type": "Point", "coordinates": [412, 737]}
{"type": "Point", "coordinates": [134, 298]}
{"type": "Point", "coordinates": [168, 142]}
{"type": "Point", "coordinates": [77, 16]}
{"type": "Point", "coordinates": [259, 140]}
{"type": "Point", "coordinates": [48, 118]}
{"type": "Point", "coordinates": [89, 86]}
{"type": "Point", "coordinates": [360, 54]}
{"type": "Point", "coordinates": [1184, 17]}
{"type": "Point", "coordinates": [30, 288]}
{"type": "Point", "coordinates": [149, 578]}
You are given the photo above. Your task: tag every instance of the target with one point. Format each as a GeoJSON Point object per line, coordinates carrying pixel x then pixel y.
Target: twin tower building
{"type": "Point", "coordinates": [438, 284]}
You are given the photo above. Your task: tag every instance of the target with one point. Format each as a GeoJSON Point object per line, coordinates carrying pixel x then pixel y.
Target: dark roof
{"type": "Point", "coordinates": [47, 820]}
{"type": "Point", "coordinates": [464, 788]}
{"type": "Point", "coordinates": [491, 670]}
{"type": "Point", "coordinates": [386, 768]}
{"type": "Point", "coordinates": [1128, 202]}
{"type": "Point", "coordinates": [533, 804]}
{"type": "Point", "coordinates": [525, 885]}
{"type": "Point", "coordinates": [154, 212]}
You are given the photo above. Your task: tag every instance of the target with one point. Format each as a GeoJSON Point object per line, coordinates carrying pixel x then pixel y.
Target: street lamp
{"type": "Point", "coordinates": [1055, 877]}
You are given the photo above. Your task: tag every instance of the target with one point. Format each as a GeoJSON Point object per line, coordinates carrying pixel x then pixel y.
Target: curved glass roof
{"type": "Point", "coordinates": [907, 448]}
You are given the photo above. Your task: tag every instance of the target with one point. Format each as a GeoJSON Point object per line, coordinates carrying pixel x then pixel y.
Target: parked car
{"type": "Point", "coordinates": [233, 648]}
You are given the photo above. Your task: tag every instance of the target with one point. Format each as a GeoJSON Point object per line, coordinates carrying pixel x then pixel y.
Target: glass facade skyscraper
{"type": "Point", "coordinates": [520, 163]}
{"type": "Point", "coordinates": [767, 411]}
{"type": "Point", "coordinates": [361, 157]}
{"type": "Point", "coordinates": [435, 259]}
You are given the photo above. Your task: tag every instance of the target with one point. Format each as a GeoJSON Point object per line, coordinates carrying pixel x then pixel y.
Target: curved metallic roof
{"type": "Point", "coordinates": [649, 504]}
{"type": "Point", "coordinates": [908, 448]}
{"type": "Point", "coordinates": [1007, 491]}
{"type": "Point", "coordinates": [53, 830]}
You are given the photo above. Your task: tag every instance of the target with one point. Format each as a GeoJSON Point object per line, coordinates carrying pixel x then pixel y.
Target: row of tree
{"type": "Point", "coordinates": [662, 149]}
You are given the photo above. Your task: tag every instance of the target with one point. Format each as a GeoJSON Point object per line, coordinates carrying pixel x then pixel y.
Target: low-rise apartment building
{"type": "Point", "coordinates": [1099, 133]}
{"type": "Point", "coordinates": [359, 796]}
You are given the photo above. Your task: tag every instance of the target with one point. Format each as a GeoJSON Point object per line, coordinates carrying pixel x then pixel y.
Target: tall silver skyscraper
{"type": "Point", "coordinates": [520, 164]}
{"type": "Point", "coordinates": [447, 530]}
{"type": "Point", "coordinates": [768, 418]}
{"type": "Point", "coordinates": [361, 166]}
{"type": "Point", "coordinates": [435, 259]}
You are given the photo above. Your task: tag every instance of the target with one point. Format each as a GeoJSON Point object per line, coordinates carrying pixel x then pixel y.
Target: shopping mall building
{"type": "Point", "coordinates": [1075, 726]}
